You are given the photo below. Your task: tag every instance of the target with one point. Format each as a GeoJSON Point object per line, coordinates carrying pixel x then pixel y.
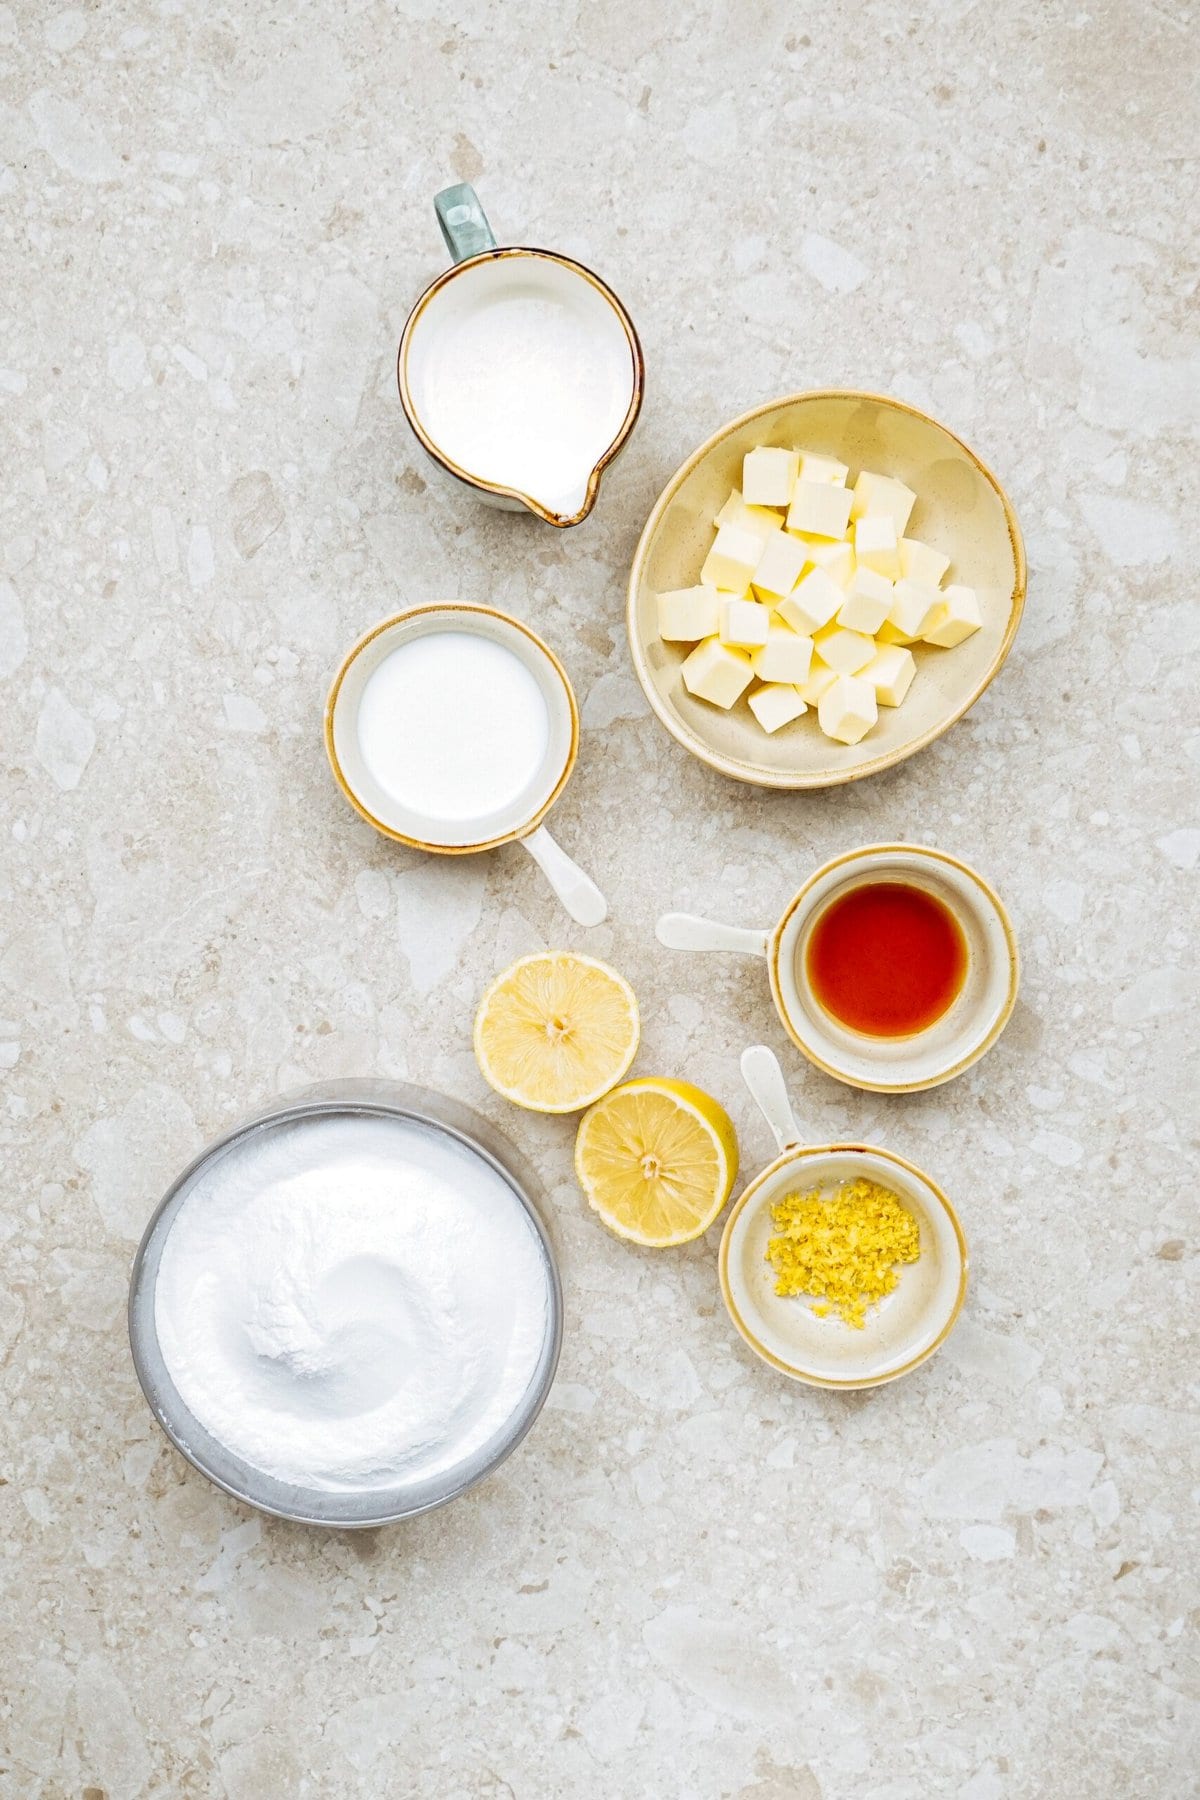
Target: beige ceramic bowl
{"type": "Point", "coordinates": [901, 1065]}
{"type": "Point", "coordinates": [961, 509]}
{"type": "Point", "coordinates": [907, 1326]}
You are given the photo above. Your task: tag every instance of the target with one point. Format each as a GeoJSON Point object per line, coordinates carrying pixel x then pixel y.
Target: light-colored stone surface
{"type": "Point", "coordinates": [693, 1581]}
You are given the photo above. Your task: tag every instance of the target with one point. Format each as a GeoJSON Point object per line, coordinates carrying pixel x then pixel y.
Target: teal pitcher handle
{"type": "Point", "coordinates": [463, 222]}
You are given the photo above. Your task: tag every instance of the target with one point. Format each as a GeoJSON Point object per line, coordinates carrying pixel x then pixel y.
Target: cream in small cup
{"type": "Point", "coordinates": [453, 729]}
{"type": "Point", "coordinates": [906, 1326]}
{"type": "Point", "coordinates": [971, 1022]}
{"type": "Point", "coordinates": [519, 370]}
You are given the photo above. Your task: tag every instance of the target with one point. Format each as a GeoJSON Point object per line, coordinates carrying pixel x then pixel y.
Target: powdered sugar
{"type": "Point", "coordinates": [352, 1302]}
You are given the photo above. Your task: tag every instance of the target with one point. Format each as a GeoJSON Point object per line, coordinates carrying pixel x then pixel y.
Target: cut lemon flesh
{"type": "Point", "coordinates": [657, 1160]}
{"type": "Point", "coordinates": [556, 1030]}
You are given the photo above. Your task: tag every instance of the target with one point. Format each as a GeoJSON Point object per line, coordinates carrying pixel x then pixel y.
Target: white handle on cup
{"type": "Point", "coordinates": [764, 1077]}
{"type": "Point", "coordinates": [577, 891]}
{"type": "Point", "coordinates": [684, 931]}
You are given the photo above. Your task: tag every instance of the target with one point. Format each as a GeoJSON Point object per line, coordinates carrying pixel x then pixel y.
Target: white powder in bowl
{"type": "Point", "coordinates": [352, 1302]}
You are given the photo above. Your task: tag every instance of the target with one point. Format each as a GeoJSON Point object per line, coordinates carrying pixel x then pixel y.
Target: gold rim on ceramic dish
{"type": "Point", "coordinates": [775, 945]}
{"type": "Point", "coordinates": [796, 779]}
{"type": "Point", "coordinates": [401, 618]}
{"type": "Point", "coordinates": [561, 520]}
{"type": "Point", "coordinates": [805, 1153]}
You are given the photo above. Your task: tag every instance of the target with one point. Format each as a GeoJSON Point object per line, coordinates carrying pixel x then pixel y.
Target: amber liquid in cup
{"type": "Point", "coordinates": [886, 959]}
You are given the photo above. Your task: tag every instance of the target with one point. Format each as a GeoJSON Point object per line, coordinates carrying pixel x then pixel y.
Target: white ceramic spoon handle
{"type": "Point", "coordinates": [764, 1077]}
{"type": "Point", "coordinates": [684, 931]}
{"type": "Point", "coordinates": [577, 891]}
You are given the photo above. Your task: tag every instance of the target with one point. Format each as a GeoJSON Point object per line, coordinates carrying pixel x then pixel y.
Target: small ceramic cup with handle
{"type": "Point", "coordinates": [907, 1326]}
{"type": "Point", "coordinates": [515, 817]}
{"type": "Point", "coordinates": [520, 371]}
{"type": "Point", "coordinates": [956, 1039]}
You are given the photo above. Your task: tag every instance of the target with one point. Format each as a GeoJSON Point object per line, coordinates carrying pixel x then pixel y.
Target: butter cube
{"type": "Point", "coordinates": [845, 651]}
{"type": "Point", "coordinates": [954, 618]}
{"type": "Point", "coordinates": [716, 673]}
{"type": "Point", "coordinates": [823, 468]}
{"type": "Point", "coordinates": [744, 623]}
{"type": "Point", "coordinates": [730, 563]}
{"type": "Point", "coordinates": [820, 678]}
{"type": "Point", "coordinates": [687, 614]}
{"type": "Point", "coordinates": [768, 476]}
{"type": "Point", "coordinates": [876, 545]}
{"type": "Point", "coordinates": [912, 608]}
{"type": "Point", "coordinates": [812, 604]}
{"type": "Point", "coordinates": [819, 508]}
{"type": "Point", "coordinates": [868, 602]}
{"type": "Point", "coordinates": [890, 672]}
{"type": "Point", "coordinates": [780, 564]}
{"type": "Point", "coordinates": [883, 494]}
{"type": "Point", "coordinates": [784, 657]}
{"type": "Point", "coordinates": [774, 706]}
{"type": "Point", "coordinates": [921, 562]}
{"type": "Point", "coordinates": [754, 518]}
{"type": "Point", "coordinates": [836, 558]}
{"type": "Point", "coordinates": [847, 709]}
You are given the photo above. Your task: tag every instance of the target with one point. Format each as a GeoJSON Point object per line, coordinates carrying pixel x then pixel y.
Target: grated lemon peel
{"type": "Point", "coordinates": [842, 1250]}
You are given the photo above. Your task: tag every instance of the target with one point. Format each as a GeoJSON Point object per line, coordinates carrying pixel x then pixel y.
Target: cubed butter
{"type": "Point", "coordinates": [882, 494]}
{"type": "Point", "coordinates": [890, 672]}
{"type": "Point", "coordinates": [753, 518]}
{"type": "Point", "coordinates": [847, 709]}
{"type": "Point", "coordinates": [868, 602]}
{"type": "Point", "coordinates": [768, 476]}
{"type": "Point", "coordinates": [921, 562]}
{"type": "Point", "coordinates": [823, 468]}
{"type": "Point", "coordinates": [685, 615]}
{"type": "Point", "coordinates": [716, 673]}
{"type": "Point", "coordinates": [820, 678]}
{"type": "Point", "coordinates": [779, 566]}
{"type": "Point", "coordinates": [730, 563]}
{"type": "Point", "coordinates": [784, 657]}
{"type": "Point", "coordinates": [912, 608]}
{"type": "Point", "coordinates": [774, 706]}
{"type": "Point", "coordinates": [822, 612]}
{"type": "Point", "coordinates": [845, 651]}
{"type": "Point", "coordinates": [744, 623]}
{"type": "Point", "coordinates": [820, 509]}
{"type": "Point", "coordinates": [954, 618]}
{"type": "Point", "coordinates": [811, 604]}
{"type": "Point", "coordinates": [876, 545]}
{"type": "Point", "coordinates": [832, 555]}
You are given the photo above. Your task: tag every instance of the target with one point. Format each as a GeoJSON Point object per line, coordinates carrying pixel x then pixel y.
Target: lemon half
{"type": "Point", "coordinates": [556, 1030]}
{"type": "Point", "coordinates": [657, 1160]}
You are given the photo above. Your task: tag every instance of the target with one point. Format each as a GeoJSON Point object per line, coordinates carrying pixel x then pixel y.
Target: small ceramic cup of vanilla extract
{"type": "Point", "coordinates": [894, 968]}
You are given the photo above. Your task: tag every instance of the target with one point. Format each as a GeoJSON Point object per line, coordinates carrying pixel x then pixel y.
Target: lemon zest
{"type": "Point", "coordinates": [843, 1250]}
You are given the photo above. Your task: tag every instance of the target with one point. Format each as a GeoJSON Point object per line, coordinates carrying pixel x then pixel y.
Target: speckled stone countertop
{"type": "Point", "coordinates": [694, 1581]}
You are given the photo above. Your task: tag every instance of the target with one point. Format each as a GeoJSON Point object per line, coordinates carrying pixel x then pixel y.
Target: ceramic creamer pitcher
{"type": "Point", "coordinates": [520, 371]}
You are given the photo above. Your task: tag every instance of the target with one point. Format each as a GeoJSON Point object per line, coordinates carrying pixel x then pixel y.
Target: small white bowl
{"type": "Point", "coordinates": [906, 1327]}
{"type": "Point", "coordinates": [965, 1031]}
{"type": "Point", "coordinates": [520, 821]}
